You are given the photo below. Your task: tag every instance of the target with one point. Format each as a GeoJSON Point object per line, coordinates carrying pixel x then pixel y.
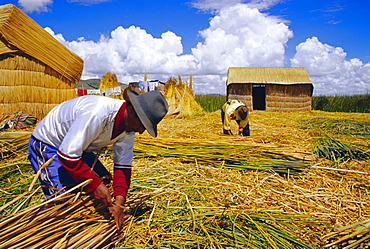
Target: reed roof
{"type": "Point", "coordinates": [268, 75]}
{"type": "Point", "coordinates": [19, 33]}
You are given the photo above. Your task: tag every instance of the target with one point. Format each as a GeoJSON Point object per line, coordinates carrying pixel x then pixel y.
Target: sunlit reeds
{"type": "Point", "coordinates": [37, 71]}
{"type": "Point", "coordinates": [193, 187]}
{"type": "Point", "coordinates": [349, 103]}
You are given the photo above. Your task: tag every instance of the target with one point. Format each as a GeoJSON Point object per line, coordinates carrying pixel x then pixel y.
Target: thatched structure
{"type": "Point", "coordinates": [270, 88]}
{"type": "Point", "coordinates": [181, 98]}
{"type": "Point", "coordinates": [108, 84]}
{"type": "Point", "coordinates": [37, 71]}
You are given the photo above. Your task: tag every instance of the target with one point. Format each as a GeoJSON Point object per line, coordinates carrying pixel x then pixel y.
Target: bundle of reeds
{"type": "Point", "coordinates": [108, 81]}
{"type": "Point", "coordinates": [181, 99]}
{"type": "Point", "coordinates": [341, 126]}
{"type": "Point", "coordinates": [71, 220]}
{"type": "Point", "coordinates": [239, 156]}
{"type": "Point", "coordinates": [352, 236]}
{"type": "Point", "coordinates": [334, 149]}
{"type": "Point", "coordinates": [37, 71]}
{"type": "Point", "coordinates": [172, 218]}
{"type": "Point", "coordinates": [13, 143]}
{"type": "Point", "coordinates": [21, 32]}
{"type": "Point", "coordinates": [327, 144]}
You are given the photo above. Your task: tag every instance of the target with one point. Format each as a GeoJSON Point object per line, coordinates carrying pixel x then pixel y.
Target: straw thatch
{"type": "Point", "coordinates": [181, 98]}
{"type": "Point", "coordinates": [37, 71]}
{"type": "Point", "coordinates": [109, 81]}
{"type": "Point", "coordinates": [271, 88]}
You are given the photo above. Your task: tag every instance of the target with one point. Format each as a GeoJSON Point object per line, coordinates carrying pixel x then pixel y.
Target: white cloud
{"type": "Point", "coordinates": [241, 37]}
{"type": "Point", "coordinates": [237, 36]}
{"type": "Point", "coordinates": [212, 5]}
{"type": "Point", "coordinates": [216, 5]}
{"type": "Point", "coordinates": [130, 51]}
{"type": "Point", "coordinates": [329, 70]}
{"type": "Point", "coordinates": [88, 2]}
{"type": "Point", "coordinates": [30, 6]}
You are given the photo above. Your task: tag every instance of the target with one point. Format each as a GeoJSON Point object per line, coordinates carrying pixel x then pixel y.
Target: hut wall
{"type": "Point", "coordinates": [288, 97]}
{"type": "Point", "coordinates": [278, 97]}
{"type": "Point", "coordinates": [30, 86]}
{"type": "Point", "coordinates": [242, 92]}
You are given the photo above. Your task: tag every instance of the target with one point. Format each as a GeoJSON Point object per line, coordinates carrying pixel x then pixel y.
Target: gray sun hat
{"type": "Point", "coordinates": [150, 107]}
{"type": "Point", "coordinates": [241, 112]}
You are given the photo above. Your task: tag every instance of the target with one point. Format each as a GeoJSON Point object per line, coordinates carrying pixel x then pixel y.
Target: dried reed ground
{"type": "Point", "coordinates": [191, 189]}
{"type": "Point", "coordinates": [338, 198]}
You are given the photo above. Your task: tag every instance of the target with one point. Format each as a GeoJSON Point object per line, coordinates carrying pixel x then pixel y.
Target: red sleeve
{"type": "Point", "coordinates": [121, 181]}
{"type": "Point", "coordinates": [79, 171]}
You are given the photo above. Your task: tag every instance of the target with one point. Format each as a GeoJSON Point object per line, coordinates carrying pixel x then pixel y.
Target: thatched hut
{"type": "Point", "coordinates": [270, 88]}
{"type": "Point", "coordinates": [37, 72]}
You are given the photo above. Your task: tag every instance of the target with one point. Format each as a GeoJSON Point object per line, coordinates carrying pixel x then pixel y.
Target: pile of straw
{"type": "Point", "coordinates": [109, 80]}
{"type": "Point", "coordinates": [181, 99]}
{"type": "Point", "coordinates": [71, 220]}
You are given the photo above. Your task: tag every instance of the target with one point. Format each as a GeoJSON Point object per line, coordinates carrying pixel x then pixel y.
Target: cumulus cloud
{"type": "Point", "coordinates": [237, 36]}
{"type": "Point", "coordinates": [329, 70]}
{"type": "Point", "coordinates": [130, 51]}
{"type": "Point", "coordinates": [241, 37]}
{"type": "Point", "coordinates": [30, 6]}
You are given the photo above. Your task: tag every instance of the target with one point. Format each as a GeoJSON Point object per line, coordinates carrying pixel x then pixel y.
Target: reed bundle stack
{"type": "Point", "coordinates": [110, 81]}
{"type": "Point", "coordinates": [270, 88]}
{"type": "Point", "coordinates": [181, 98]}
{"type": "Point", "coordinates": [37, 71]}
{"type": "Point", "coordinates": [71, 220]}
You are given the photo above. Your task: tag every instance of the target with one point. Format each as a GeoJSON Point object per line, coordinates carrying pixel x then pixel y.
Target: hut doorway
{"type": "Point", "coordinates": [259, 97]}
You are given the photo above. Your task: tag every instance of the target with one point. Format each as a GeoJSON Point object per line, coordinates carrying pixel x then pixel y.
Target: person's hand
{"type": "Point", "coordinates": [102, 194]}
{"type": "Point", "coordinates": [241, 131]}
{"type": "Point", "coordinates": [228, 132]}
{"type": "Point", "coordinates": [117, 211]}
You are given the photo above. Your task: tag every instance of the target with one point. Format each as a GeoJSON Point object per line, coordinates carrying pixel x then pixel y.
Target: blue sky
{"type": "Point", "coordinates": [164, 38]}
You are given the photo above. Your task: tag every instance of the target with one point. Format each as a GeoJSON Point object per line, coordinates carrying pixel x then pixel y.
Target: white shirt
{"type": "Point", "coordinates": [229, 109]}
{"type": "Point", "coordinates": [85, 124]}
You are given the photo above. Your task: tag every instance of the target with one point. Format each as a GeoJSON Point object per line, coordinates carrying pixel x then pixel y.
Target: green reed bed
{"type": "Point", "coordinates": [340, 126]}
{"type": "Point", "coordinates": [353, 103]}
{"type": "Point", "coordinates": [220, 154]}
{"type": "Point", "coordinates": [211, 103]}
{"type": "Point", "coordinates": [335, 149]}
{"type": "Point", "coordinates": [219, 230]}
{"type": "Point", "coordinates": [327, 145]}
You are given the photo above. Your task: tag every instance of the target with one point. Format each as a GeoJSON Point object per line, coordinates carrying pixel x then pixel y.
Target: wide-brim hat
{"type": "Point", "coordinates": [241, 112]}
{"type": "Point", "coordinates": [150, 107]}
